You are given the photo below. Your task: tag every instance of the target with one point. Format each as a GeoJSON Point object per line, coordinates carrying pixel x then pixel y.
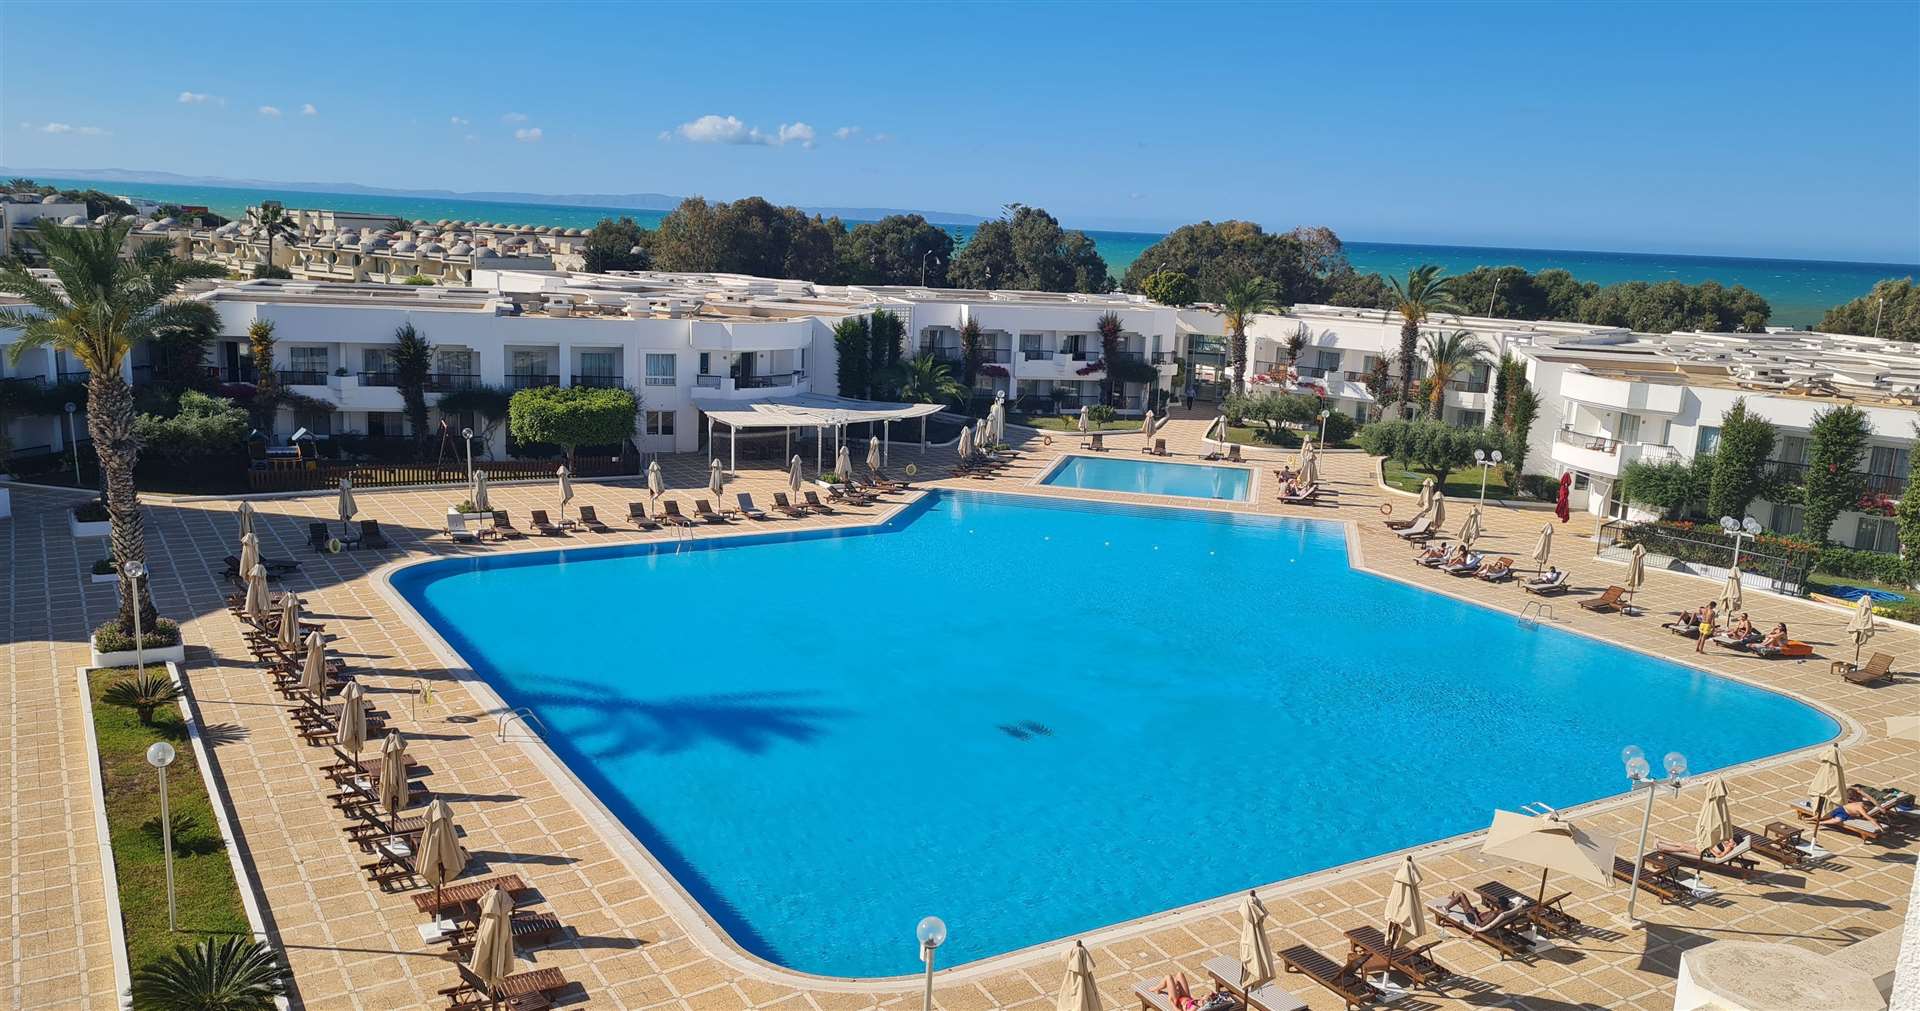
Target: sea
{"type": "Point", "coordinates": [1800, 291]}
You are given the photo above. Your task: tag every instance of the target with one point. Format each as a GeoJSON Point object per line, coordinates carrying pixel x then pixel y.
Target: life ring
{"type": "Point", "coordinates": [1386, 508]}
{"type": "Point", "coordinates": [334, 545]}
{"type": "Point", "coordinates": [1046, 440]}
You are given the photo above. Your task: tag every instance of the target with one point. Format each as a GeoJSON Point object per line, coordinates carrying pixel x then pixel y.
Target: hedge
{"type": "Point", "coordinates": [1851, 564]}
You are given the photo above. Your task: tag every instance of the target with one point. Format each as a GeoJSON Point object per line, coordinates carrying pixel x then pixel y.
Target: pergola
{"type": "Point", "coordinates": [810, 410]}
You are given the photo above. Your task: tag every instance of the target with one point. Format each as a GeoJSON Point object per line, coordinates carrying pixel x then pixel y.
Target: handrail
{"type": "Point", "coordinates": [526, 717]}
{"type": "Point", "coordinates": [1537, 611]}
{"type": "Point", "coordinates": [1584, 440]}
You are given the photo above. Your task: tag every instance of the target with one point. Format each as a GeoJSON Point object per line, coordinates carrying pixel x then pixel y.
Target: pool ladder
{"type": "Point", "coordinates": [1536, 612]}
{"type": "Point", "coordinates": [526, 718]}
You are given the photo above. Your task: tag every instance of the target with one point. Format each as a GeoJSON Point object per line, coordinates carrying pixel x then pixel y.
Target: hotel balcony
{"type": "Point", "coordinates": [1599, 456]}
{"type": "Point", "coordinates": [529, 380]}
{"type": "Point", "coordinates": [1795, 474]}
{"type": "Point", "coordinates": [709, 387]}
{"type": "Point", "coordinates": [1622, 395]}
{"type": "Point", "coordinates": [1040, 363]}
{"type": "Point", "coordinates": [599, 382]}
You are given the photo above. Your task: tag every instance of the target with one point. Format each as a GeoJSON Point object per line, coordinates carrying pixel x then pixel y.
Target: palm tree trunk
{"type": "Point", "coordinates": [1409, 346]}
{"type": "Point", "coordinates": [110, 422]}
{"type": "Point", "coordinates": [1437, 397]}
{"type": "Point", "coordinates": [1237, 355]}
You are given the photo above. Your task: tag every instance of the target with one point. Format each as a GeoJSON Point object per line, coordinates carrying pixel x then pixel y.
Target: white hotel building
{"type": "Point", "coordinates": [689, 343]}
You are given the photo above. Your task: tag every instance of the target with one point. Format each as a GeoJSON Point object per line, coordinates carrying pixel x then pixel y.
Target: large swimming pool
{"type": "Point", "coordinates": [1035, 718]}
{"type": "Point", "coordinates": [1152, 477]}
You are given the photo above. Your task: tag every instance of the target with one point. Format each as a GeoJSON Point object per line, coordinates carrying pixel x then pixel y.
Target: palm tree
{"type": "Point", "coordinates": [1109, 326]}
{"type": "Point", "coordinates": [271, 219]}
{"type": "Point", "coordinates": [236, 974]}
{"type": "Point", "coordinates": [143, 693]}
{"type": "Point", "coordinates": [103, 305]}
{"type": "Point", "coordinates": [924, 379]}
{"type": "Point", "coordinates": [1448, 353]}
{"type": "Point", "coordinates": [1424, 293]}
{"type": "Point", "coordinates": [1244, 299]}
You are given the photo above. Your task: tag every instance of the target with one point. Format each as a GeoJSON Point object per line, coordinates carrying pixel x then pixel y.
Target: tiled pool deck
{"type": "Point", "coordinates": [353, 946]}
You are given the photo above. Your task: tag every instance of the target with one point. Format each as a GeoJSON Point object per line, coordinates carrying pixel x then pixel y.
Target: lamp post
{"type": "Point", "coordinates": [466, 436]}
{"type": "Point", "coordinates": [1323, 427]}
{"type": "Point", "coordinates": [160, 755]}
{"type": "Point", "coordinates": [1738, 529]}
{"type": "Point", "coordinates": [1487, 463]}
{"type": "Point", "coordinates": [73, 441]}
{"type": "Point", "coordinates": [1879, 306]}
{"type": "Point", "coordinates": [137, 571]}
{"type": "Point", "coordinates": [1637, 769]}
{"type": "Point", "coordinates": [932, 933]}
{"type": "Point", "coordinates": [923, 267]}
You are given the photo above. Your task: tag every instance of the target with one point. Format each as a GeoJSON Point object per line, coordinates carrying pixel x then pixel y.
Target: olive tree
{"type": "Point", "coordinates": [572, 416]}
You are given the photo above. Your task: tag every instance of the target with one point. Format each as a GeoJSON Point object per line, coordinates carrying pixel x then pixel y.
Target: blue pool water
{"type": "Point", "coordinates": [1149, 477]}
{"type": "Point", "coordinates": [1035, 718]}
{"type": "Point", "coordinates": [1856, 592]}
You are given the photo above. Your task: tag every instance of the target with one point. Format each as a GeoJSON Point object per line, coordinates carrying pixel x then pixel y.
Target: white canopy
{"type": "Point", "coordinates": [808, 410]}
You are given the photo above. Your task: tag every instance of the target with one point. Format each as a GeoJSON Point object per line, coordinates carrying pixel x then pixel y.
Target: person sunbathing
{"type": "Point", "coordinates": [1285, 473]}
{"type": "Point", "coordinates": [1742, 630]}
{"type": "Point", "coordinates": [1291, 489]}
{"type": "Point", "coordinates": [1719, 851]}
{"type": "Point", "coordinates": [1457, 556]}
{"type": "Point", "coordinates": [1472, 561]}
{"type": "Point", "coordinates": [1474, 914]}
{"type": "Point", "coordinates": [1776, 639]}
{"type": "Point", "coordinates": [1546, 577]}
{"type": "Point", "coordinates": [1433, 554]}
{"type": "Point", "coordinates": [1174, 985]}
{"type": "Point", "coordinates": [1498, 570]}
{"type": "Point", "coordinates": [1852, 810]}
{"type": "Point", "coordinates": [1893, 800]}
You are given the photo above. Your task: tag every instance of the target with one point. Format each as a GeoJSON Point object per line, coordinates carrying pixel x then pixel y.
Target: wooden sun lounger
{"type": "Point", "coordinates": [1609, 600]}
{"type": "Point", "coordinates": [1306, 496]}
{"type": "Point", "coordinates": [1500, 571]}
{"type": "Point", "coordinates": [1159, 447]}
{"type": "Point", "coordinates": [1499, 934]}
{"type": "Point", "coordinates": [781, 503]}
{"type": "Point", "coordinates": [530, 929]}
{"type": "Point", "coordinates": [503, 527]}
{"type": "Point", "coordinates": [1878, 667]}
{"type": "Point", "coordinates": [1549, 916]}
{"type": "Point", "coordinates": [344, 768]}
{"type": "Point", "coordinates": [1736, 864]}
{"type": "Point", "coordinates": [1780, 843]}
{"type": "Point", "coordinates": [544, 526]}
{"type": "Point", "coordinates": [1420, 530]}
{"type": "Point", "coordinates": [473, 993]}
{"type": "Point", "coordinates": [637, 515]}
{"type": "Point", "coordinates": [1229, 975]}
{"type": "Point", "coordinates": [467, 893]}
{"type": "Point", "coordinates": [1345, 981]}
{"type": "Point", "coordinates": [814, 503]}
{"type": "Point", "coordinates": [1413, 963]}
{"type": "Point", "coordinates": [591, 520]}
{"type": "Point", "coordinates": [748, 509]}
{"type": "Point", "coordinates": [1851, 826]}
{"type": "Point", "coordinates": [703, 511]}
{"type": "Point", "coordinates": [1656, 878]}
{"type": "Point", "coordinates": [375, 827]}
{"type": "Point", "coordinates": [671, 515]}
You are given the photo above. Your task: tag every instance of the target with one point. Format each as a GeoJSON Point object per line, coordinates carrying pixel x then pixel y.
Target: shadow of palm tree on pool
{"type": "Point", "coordinates": [615, 725]}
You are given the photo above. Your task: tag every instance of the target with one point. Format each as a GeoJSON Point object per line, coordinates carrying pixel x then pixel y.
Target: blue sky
{"type": "Point", "coordinates": [1742, 129]}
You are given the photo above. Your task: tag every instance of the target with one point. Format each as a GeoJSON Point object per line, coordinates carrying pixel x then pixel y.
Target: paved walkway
{"type": "Point", "coordinates": [353, 946]}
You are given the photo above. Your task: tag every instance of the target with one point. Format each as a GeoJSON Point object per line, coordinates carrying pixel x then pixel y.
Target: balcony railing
{"type": "Point", "coordinates": [1163, 358]}
{"type": "Point", "coordinates": [301, 377]}
{"type": "Point", "coordinates": [379, 378]}
{"type": "Point", "coordinates": [240, 374]}
{"type": "Point", "coordinates": [1130, 357]}
{"type": "Point", "coordinates": [1085, 356]}
{"type": "Point", "coordinates": [997, 356]}
{"type": "Point", "coordinates": [1467, 385]}
{"type": "Point", "coordinates": [1792, 473]}
{"type": "Point", "coordinates": [768, 381]}
{"type": "Point", "coordinates": [1593, 443]}
{"type": "Point", "coordinates": [598, 382]}
{"type": "Point", "coordinates": [1035, 355]}
{"type": "Point", "coordinates": [944, 354]}
{"type": "Point", "coordinates": [1890, 485]}
{"type": "Point", "coordinates": [80, 376]}
{"type": "Point", "coordinates": [707, 382]}
{"type": "Point", "coordinates": [448, 382]}
{"type": "Point", "coordinates": [527, 381]}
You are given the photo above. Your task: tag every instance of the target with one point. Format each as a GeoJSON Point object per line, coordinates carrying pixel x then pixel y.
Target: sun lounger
{"type": "Point", "coordinates": [1657, 877]}
{"type": "Point", "coordinates": [591, 520]}
{"type": "Point", "coordinates": [529, 930]}
{"type": "Point", "coordinates": [544, 526]}
{"type": "Point", "coordinates": [1233, 453]}
{"type": "Point", "coordinates": [472, 992]}
{"type": "Point", "coordinates": [1546, 586]}
{"type": "Point", "coordinates": [1099, 443]}
{"type": "Point", "coordinates": [1230, 975]}
{"type": "Point", "coordinates": [1499, 572]}
{"type": "Point", "coordinates": [276, 567]}
{"type": "Point", "coordinates": [1735, 864]}
{"type": "Point", "coordinates": [671, 514]}
{"type": "Point", "coordinates": [1345, 981]}
{"type": "Point", "coordinates": [1159, 447]}
{"type": "Point", "coordinates": [814, 503]}
{"type": "Point", "coordinates": [1499, 933]}
{"type": "Point", "coordinates": [370, 535]}
{"type": "Point", "coordinates": [1878, 667]}
{"type": "Point", "coordinates": [703, 511]}
{"type": "Point", "coordinates": [1793, 650]}
{"type": "Point", "coordinates": [637, 515]}
{"type": "Point", "coordinates": [317, 536]}
{"type": "Point", "coordinates": [1411, 962]}
{"type": "Point", "coordinates": [1405, 523]}
{"type": "Point", "coordinates": [1304, 496]}
{"type": "Point", "coordinates": [1151, 999]}
{"type": "Point", "coordinates": [1848, 823]}
{"type": "Point", "coordinates": [466, 893]}
{"type": "Point", "coordinates": [1419, 531]}
{"type": "Point", "coordinates": [843, 491]}
{"type": "Point", "coordinates": [781, 503]}
{"type": "Point", "coordinates": [748, 509]}
{"type": "Point", "coordinates": [503, 527]}
{"type": "Point", "coordinates": [373, 827]}
{"type": "Point", "coordinates": [1466, 568]}
{"type": "Point", "coordinates": [1547, 916]}
{"type": "Point", "coordinates": [891, 482]}
{"type": "Point", "coordinates": [1608, 600]}
{"type": "Point", "coordinates": [1780, 843]}
{"type": "Point", "coordinates": [457, 529]}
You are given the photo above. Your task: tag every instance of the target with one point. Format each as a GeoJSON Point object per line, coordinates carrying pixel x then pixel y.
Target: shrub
{"type": "Point", "coordinates": [1340, 428]}
{"type": "Point", "coordinates": [233, 974]}
{"type": "Point", "coordinates": [1851, 564]}
{"type": "Point", "coordinates": [572, 416]}
{"type": "Point", "coordinates": [113, 637]}
{"type": "Point", "coordinates": [142, 692]}
{"type": "Point", "coordinates": [92, 511]}
{"type": "Point", "coordinates": [420, 280]}
{"type": "Point", "coordinates": [1540, 487]}
{"type": "Point", "coordinates": [202, 426]}
{"type": "Point", "coordinates": [105, 567]}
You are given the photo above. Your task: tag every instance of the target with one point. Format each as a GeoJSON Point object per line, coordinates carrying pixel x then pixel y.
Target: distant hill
{"type": "Point", "coordinates": [623, 201]}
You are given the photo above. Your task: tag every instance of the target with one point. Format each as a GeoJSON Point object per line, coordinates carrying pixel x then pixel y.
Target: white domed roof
{"type": "Point", "coordinates": [433, 247]}
{"type": "Point", "coordinates": [404, 246]}
{"type": "Point", "coordinates": [103, 219]}
{"type": "Point", "coordinates": [52, 198]}
{"type": "Point", "coordinates": [484, 253]}
{"type": "Point", "coordinates": [443, 222]}
{"type": "Point", "coordinates": [74, 219]}
{"type": "Point", "coordinates": [167, 222]}
{"type": "Point", "coordinates": [460, 249]}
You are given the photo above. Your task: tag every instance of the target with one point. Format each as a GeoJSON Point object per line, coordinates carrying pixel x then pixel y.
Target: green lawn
{"type": "Point", "coordinates": [207, 899]}
{"type": "Point", "coordinates": [1251, 435]}
{"type": "Point", "coordinates": [1055, 423]}
{"type": "Point", "coordinates": [1461, 484]}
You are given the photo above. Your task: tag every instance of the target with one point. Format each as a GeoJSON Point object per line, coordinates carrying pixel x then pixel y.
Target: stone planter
{"type": "Point", "coordinates": [152, 654]}
{"type": "Point", "coordinates": [102, 577]}
{"type": "Point", "coordinates": [79, 529]}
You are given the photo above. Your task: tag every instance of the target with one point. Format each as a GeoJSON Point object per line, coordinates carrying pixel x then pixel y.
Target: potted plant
{"type": "Point", "coordinates": [90, 519]}
{"type": "Point", "coordinates": [466, 510]}
{"type": "Point", "coordinates": [113, 645]}
{"type": "Point", "coordinates": [104, 571]}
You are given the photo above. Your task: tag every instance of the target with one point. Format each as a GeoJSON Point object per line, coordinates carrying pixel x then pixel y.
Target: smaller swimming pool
{"type": "Point", "coordinates": [1152, 477]}
{"type": "Point", "coordinates": [1854, 593]}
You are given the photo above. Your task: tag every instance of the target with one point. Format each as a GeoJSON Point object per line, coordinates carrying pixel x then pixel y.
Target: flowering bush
{"type": "Point", "coordinates": [996, 371]}
{"type": "Point", "coordinates": [112, 637]}
{"type": "Point", "coordinates": [1089, 368]}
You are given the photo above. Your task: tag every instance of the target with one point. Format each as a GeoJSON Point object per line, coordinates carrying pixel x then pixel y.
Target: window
{"type": "Point", "coordinates": [530, 363]}
{"type": "Point", "coordinates": [1629, 428]}
{"type": "Point", "coordinates": [1886, 461]}
{"type": "Point", "coordinates": [317, 422]}
{"type": "Point", "coordinates": [597, 363]}
{"type": "Point", "coordinates": [706, 363]}
{"type": "Point", "coordinates": [1788, 519]}
{"type": "Point", "coordinates": [1877, 534]}
{"type": "Point", "coordinates": [1707, 439]}
{"type": "Point", "coordinates": [660, 370]}
{"type": "Point", "coordinates": [1792, 449]}
{"type": "Point", "coordinates": [309, 360]}
{"type": "Point", "coordinates": [659, 423]}
{"type": "Point", "coordinates": [374, 360]}
{"type": "Point", "coordinates": [1327, 361]}
{"type": "Point", "coordinates": [454, 361]}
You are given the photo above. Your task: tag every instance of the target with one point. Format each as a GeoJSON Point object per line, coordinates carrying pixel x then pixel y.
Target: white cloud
{"type": "Point", "coordinates": [514, 117]}
{"type": "Point", "coordinates": [309, 110]}
{"type": "Point", "coordinates": [666, 135]}
{"type": "Point", "coordinates": [461, 121]}
{"type": "Point", "coordinates": [199, 98]}
{"type": "Point", "coordinates": [270, 111]}
{"type": "Point", "coordinates": [528, 135]}
{"type": "Point", "coordinates": [84, 131]}
{"type": "Point", "coordinates": [711, 129]}
{"type": "Point", "coordinates": [880, 138]}
{"type": "Point", "coordinates": [846, 132]}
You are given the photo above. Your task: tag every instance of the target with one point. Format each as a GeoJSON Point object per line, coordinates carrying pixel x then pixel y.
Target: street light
{"type": "Point", "coordinates": [923, 267]}
{"type": "Point", "coordinates": [1487, 463]}
{"type": "Point", "coordinates": [1636, 763]}
{"type": "Point", "coordinates": [73, 441]}
{"type": "Point", "coordinates": [932, 933]}
{"type": "Point", "coordinates": [1738, 529]}
{"type": "Point", "coordinates": [136, 571]}
{"type": "Point", "coordinates": [1323, 426]}
{"type": "Point", "coordinates": [466, 436]}
{"type": "Point", "coordinates": [160, 755]}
